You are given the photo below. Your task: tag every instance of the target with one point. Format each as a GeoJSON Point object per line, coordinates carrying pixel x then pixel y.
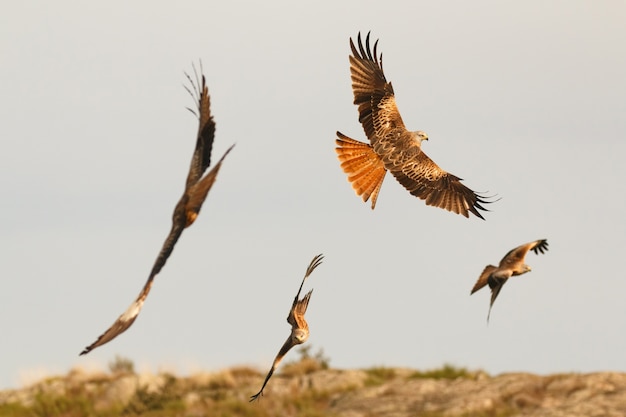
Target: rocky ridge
{"type": "Point", "coordinates": [324, 392]}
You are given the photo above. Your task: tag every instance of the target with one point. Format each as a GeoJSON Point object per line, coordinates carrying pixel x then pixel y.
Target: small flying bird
{"type": "Point", "coordinates": [512, 264]}
{"type": "Point", "coordinates": [299, 326]}
{"type": "Point", "coordinates": [187, 209]}
{"type": "Point", "coordinates": [392, 147]}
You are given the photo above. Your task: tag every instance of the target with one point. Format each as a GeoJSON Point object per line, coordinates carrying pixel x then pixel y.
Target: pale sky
{"type": "Point", "coordinates": [526, 100]}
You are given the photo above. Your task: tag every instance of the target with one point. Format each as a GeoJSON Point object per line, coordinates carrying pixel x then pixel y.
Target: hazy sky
{"type": "Point", "coordinates": [526, 100]}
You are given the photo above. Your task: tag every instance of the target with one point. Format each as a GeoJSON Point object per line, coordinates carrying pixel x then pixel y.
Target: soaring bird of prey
{"type": "Point", "coordinates": [392, 147]}
{"type": "Point", "coordinates": [512, 264]}
{"type": "Point", "coordinates": [299, 326]}
{"type": "Point", "coordinates": [187, 209]}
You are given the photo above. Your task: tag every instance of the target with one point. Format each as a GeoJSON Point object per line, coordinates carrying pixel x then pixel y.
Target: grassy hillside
{"type": "Point", "coordinates": [309, 388]}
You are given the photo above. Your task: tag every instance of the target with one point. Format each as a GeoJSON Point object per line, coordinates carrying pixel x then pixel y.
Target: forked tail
{"type": "Point", "coordinates": [365, 170]}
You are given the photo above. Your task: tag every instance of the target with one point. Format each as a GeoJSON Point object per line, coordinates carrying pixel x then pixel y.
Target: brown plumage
{"type": "Point", "coordinates": [512, 264]}
{"type": "Point", "coordinates": [187, 209]}
{"type": "Point", "coordinates": [299, 326]}
{"type": "Point", "coordinates": [392, 147]}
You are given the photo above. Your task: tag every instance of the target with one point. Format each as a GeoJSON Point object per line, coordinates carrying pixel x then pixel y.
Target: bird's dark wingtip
{"type": "Point", "coordinates": [86, 350]}
{"type": "Point", "coordinates": [482, 198]}
{"type": "Point", "coordinates": [542, 246]}
{"type": "Point", "coordinates": [477, 213]}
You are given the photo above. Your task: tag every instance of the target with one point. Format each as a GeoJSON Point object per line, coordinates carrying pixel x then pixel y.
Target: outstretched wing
{"type": "Point", "coordinates": [298, 311]}
{"type": "Point", "coordinates": [511, 264]}
{"type": "Point", "coordinates": [483, 278]}
{"type": "Point", "coordinates": [126, 319]}
{"type": "Point", "coordinates": [424, 179]}
{"type": "Point", "coordinates": [185, 212]}
{"type": "Point", "coordinates": [400, 150]}
{"type": "Point", "coordinates": [540, 246]}
{"type": "Point", "coordinates": [517, 255]}
{"type": "Point", "coordinates": [296, 319]}
{"type": "Point", "coordinates": [201, 158]}
{"type": "Point", "coordinates": [198, 191]}
{"type": "Point", "coordinates": [283, 351]}
{"type": "Point", "coordinates": [373, 95]}
{"type": "Point", "coordinates": [122, 323]}
{"type": "Point", "coordinates": [298, 307]}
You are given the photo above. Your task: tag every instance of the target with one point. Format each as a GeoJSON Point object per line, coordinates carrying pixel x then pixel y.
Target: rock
{"type": "Point", "coordinates": [344, 393]}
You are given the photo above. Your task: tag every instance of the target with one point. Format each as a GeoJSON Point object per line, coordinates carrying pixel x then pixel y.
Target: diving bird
{"type": "Point", "coordinates": [512, 264]}
{"type": "Point", "coordinates": [299, 326]}
{"type": "Point", "coordinates": [392, 147]}
{"type": "Point", "coordinates": [187, 209]}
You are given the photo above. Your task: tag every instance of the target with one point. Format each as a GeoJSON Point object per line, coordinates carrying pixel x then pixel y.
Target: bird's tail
{"type": "Point", "coordinates": [365, 170]}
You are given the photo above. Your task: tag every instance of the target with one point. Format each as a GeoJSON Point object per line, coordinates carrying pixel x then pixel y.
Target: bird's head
{"type": "Point", "coordinates": [526, 268]}
{"type": "Point", "coordinates": [421, 136]}
{"type": "Point", "coordinates": [299, 336]}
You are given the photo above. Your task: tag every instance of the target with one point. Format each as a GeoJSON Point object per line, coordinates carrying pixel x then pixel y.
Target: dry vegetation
{"type": "Point", "coordinates": [307, 387]}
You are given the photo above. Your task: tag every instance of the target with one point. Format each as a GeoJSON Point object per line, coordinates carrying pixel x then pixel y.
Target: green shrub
{"type": "Point", "coordinates": [121, 365]}
{"type": "Point", "coordinates": [379, 375]}
{"type": "Point", "coordinates": [446, 372]}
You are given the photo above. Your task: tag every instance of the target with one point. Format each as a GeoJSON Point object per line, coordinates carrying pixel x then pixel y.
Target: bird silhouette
{"type": "Point", "coordinates": [299, 326]}
{"type": "Point", "coordinates": [186, 211]}
{"type": "Point", "coordinates": [511, 265]}
{"type": "Point", "coordinates": [392, 146]}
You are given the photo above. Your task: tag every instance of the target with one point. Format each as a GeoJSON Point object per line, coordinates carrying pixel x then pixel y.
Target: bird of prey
{"type": "Point", "coordinates": [512, 264]}
{"type": "Point", "coordinates": [299, 326]}
{"type": "Point", "coordinates": [187, 209]}
{"type": "Point", "coordinates": [392, 147]}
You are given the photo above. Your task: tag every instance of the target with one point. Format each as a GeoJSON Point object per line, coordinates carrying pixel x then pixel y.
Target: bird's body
{"type": "Point", "coordinates": [512, 264]}
{"type": "Point", "coordinates": [299, 326]}
{"type": "Point", "coordinates": [392, 146]}
{"type": "Point", "coordinates": [186, 210]}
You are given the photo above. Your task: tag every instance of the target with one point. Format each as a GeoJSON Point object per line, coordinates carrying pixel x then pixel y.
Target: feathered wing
{"type": "Point", "coordinates": [482, 279]}
{"type": "Point", "coordinates": [283, 351]}
{"type": "Point", "coordinates": [296, 315]}
{"type": "Point", "coordinates": [317, 259]}
{"type": "Point", "coordinates": [540, 246]}
{"type": "Point", "coordinates": [424, 179]}
{"type": "Point", "coordinates": [517, 255]}
{"type": "Point", "coordinates": [511, 264]}
{"type": "Point", "coordinates": [364, 168]}
{"type": "Point", "coordinates": [122, 323]}
{"type": "Point", "coordinates": [201, 158]}
{"type": "Point", "coordinates": [297, 321]}
{"type": "Point", "coordinates": [126, 319]}
{"type": "Point", "coordinates": [186, 210]}
{"type": "Point", "coordinates": [397, 148]}
{"type": "Point", "coordinates": [373, 95]}
{"type": "Point", "coordinates": [198, 192]}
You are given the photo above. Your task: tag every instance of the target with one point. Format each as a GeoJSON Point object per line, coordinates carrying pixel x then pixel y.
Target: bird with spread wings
{"type": "Point", "coordinates": [511, 265]}
{"type": "Point", "coordinates": [187, 209]}
{"type": "Point", "coordinates": [392, 147]}
{"type": "Point", "coordinates": [299, 326]}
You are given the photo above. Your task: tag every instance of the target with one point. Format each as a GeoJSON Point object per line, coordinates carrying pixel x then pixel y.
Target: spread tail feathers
{"type": "Point", "coordinates": [365, 170]}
